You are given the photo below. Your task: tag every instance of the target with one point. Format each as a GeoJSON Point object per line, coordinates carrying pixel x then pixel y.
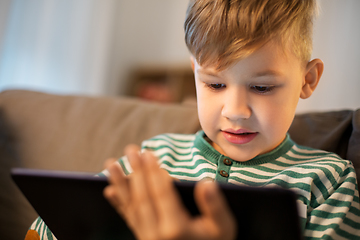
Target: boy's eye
{"type": "Point", "coordinates": [216, 86]}
{"type": "Point", "coordinates": [262, 89]}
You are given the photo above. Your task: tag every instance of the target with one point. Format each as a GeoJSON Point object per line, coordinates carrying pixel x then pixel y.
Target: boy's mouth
{"type": "Point", "coordinates": [240, 136]}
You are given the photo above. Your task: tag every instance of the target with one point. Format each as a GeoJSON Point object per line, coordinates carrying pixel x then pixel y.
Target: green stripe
{"type": "Point", "coordinates": [121, 161]}
{"type": "Point", "coordinates": [171, 150]}
{"type": "Point", "coordinates": [352, 223]}
{"type": "Point", "coordinates": [185, 160]}
{"type": "Point", "coordinates": [345, 191]}
{"type": "Point", "coordinates": [49, 234]}
{"type": "Point", "coordinates": [308, 163]}
{"type": "Point", "coordinates": [100, 174]}
{"type": "Point", "coordinates": [321, 187]}
{"type": "Point", "coordinates": [158, 147]}
{"type": "Point", "coordinates": [261, 168]}
{"type": "Point", "coordinates": [278, 182]}
{"type": "Point", "coordinates": [337, 203]}
{"type": "Point", "coordinates": [197, 163]}
{"type": "Point", "coordinates": [339, 232]}
{"type": "Point", "coordinates": [253, 175]}
{"type": "Point", "coordinates": [166, 137]}
{"type": "Point", "coordinates": [246, 182]}
{"type": "Point", "coordinates": [327, 215]}
{"type": "Point", "coordinates": [300, 185]}
{"type": "Point", "coordinates": [327, 172]}
{"type": "Point", "coordinates": [288, 173]}
{"type": "Point", "coordinates": [190, 159]}
{"type": "Point", "coordinates": [197, 174]}
{"type": "Point", "coordinates": [38, 222]}
{"type": "Point", "coordinates": [43, 232]}
{"type": "Point", "coordinates": [169, 155]}
{"type": "Point", "coordinates": [356, 199]}
{"type": "Point", "coordinates": [318, 227]}
{"type": "Point", "coordinates": [280, 163]}
{"type": "Point", "coordinates": [312, 152]}
{"type": "Point", "coordinates": [355, 211]}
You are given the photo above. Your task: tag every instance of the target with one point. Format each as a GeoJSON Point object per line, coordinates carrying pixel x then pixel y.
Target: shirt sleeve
{"type": "Point", "coordinates": [125, 165]}
{"type": "Point", "coordinates": [338, 215]}
{"type": "Point", "coordinates": [39, 230]}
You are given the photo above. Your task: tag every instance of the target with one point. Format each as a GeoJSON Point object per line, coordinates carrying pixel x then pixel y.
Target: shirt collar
{"type": "Point", "coordinates": [213, 155]}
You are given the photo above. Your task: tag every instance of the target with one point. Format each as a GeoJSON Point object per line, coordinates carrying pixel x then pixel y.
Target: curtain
{"type": "Point", "coordinates": [59, 46]}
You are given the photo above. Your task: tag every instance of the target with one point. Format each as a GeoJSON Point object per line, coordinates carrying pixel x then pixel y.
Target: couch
{"type": "Point", "coordinates": [77, 133]}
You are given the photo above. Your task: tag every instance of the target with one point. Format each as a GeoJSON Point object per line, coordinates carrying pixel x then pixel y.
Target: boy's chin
{"type": "Point", "coordinates": [244, 157]}
{"type": "Point", "coordinates": [237, 154]}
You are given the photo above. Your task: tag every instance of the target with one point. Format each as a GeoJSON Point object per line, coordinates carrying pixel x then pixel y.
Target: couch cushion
{"type": "Point", "coordinates": [78, 133]}
{"type": "Point", "coordinates": [329, 131]}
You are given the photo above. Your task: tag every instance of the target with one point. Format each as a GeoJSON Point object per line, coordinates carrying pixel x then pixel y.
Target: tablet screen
{"type": "Point", "coordinates": [73, 207]}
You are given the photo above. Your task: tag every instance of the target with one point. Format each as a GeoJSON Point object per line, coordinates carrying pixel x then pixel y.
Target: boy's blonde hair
{"type": "Point", "coordinates": [220, 32]}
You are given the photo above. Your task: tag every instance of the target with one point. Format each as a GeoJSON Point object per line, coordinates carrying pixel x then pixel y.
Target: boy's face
{"type": "Point", "coordinates": [247, 109]}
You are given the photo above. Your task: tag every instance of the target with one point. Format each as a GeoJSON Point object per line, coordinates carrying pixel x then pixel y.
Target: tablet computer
{"type": "Point", "coordinates": [73, 207]}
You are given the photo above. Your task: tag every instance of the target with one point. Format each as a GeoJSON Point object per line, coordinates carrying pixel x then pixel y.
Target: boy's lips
{"type": "Point", "coordinates": [239, 136]}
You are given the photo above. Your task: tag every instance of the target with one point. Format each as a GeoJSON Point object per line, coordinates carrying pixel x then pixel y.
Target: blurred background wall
{"type": "Point", "coordinates": [93, 47]}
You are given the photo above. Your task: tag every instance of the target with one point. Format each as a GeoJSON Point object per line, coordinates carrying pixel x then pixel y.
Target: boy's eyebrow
{"type": "Point", "coordinates": [207, 72]}
{"type": "Point", "coordinates": [269, 72]}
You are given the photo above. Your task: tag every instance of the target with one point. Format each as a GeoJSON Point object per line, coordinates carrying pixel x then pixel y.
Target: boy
{"type": "Point", "coordinates": [251, 64]}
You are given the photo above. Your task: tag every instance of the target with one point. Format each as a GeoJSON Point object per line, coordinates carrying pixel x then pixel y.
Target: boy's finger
{"type": "Point", "coordinates": [111, 195]}
{"type": "Point", "coordinates": [141, 202]}
{"type": "Point", "coordinates": [116, 175]}
{"type": "Point", "coordinates": [215, 210]}
{"type": "Point", "coordinates": [132, 153]}
{"type": "Point", "coordinates": [120, 194]}
{"type": "Point", "coordinates": [108, 162]}
{"type": "Point", "coordinates": [137, 180]}
{"type": "Point", "coordinates": [166, 200]}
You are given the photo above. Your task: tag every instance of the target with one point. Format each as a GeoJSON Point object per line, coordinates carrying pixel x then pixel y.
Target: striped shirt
{"type": "Point", "coordinates": [328, 196]}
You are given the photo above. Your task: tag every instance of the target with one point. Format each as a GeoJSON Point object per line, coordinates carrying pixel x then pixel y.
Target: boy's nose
{"type": "Point", "coordinates": [236, 107]}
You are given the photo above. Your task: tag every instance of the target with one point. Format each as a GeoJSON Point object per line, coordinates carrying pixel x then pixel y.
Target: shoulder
{"type": "Point", "coordinates": [316, 160]}
{"type": "Point", "coordinates": [311, 155]}
{"type": "Point", "coordinates": [321, 174]}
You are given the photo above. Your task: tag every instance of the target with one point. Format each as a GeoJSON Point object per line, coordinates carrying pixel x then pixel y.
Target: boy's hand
{"type": "Point", "coordinates": [152, 208]}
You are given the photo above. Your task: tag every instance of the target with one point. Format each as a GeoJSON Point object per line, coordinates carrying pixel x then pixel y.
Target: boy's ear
{"type": "Point", "coordinates": [313, 72]}
{"type": "Point", "coordinates": [192, 62]}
